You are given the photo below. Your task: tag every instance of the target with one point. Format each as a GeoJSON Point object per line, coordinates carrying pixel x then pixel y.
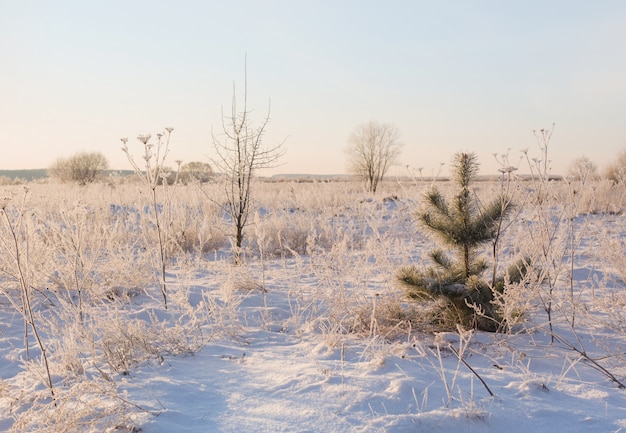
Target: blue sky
{"type": "Point", "coordinates": [451, 75]}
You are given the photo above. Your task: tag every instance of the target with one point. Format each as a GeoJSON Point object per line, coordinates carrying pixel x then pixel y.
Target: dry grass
{"type": "Point", "coordinates": [92, 254]}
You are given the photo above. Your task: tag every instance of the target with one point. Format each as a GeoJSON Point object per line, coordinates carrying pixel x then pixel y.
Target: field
{"type": "Point", "coordinates": [312, 331]}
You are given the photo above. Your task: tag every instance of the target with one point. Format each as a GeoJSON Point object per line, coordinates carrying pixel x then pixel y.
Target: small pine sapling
{"type": "Point", "coordinates": [461, 225]}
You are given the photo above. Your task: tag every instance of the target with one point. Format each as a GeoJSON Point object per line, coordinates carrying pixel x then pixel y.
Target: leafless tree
{"type": "Point", "coordinates": [241, 153]}
{"type": "Point", "coordinates": [372, 148]}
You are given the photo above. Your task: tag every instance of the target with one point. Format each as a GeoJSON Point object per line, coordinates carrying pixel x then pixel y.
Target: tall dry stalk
{"type": "Point", "coordinates": [152, 174]}
{"type": "Point", "coordinates": [17, 248]}
{"type": "Point", "coordinates": [549, 223]}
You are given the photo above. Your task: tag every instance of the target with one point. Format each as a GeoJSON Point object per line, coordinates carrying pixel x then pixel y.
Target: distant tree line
{"type": "Point", "coordinates": [372, 149]}
{"type": "Point", "coordinates": [10, 176]}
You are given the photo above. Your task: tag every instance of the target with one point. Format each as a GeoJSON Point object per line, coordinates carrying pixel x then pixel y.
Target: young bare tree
{"type": "Point", "coordinates": [241, 153]}
{"type": "Point", "coordinates": [372, 148]}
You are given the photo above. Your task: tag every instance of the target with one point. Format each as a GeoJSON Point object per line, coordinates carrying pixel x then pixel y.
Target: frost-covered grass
{"type": "Point", "coordinates": [312, 332]}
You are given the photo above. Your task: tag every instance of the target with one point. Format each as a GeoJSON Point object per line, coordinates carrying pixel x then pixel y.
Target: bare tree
{"type": "Point", "coordinates": [241, 152]}
{"type": "Point", "coordinates": [372, 148]}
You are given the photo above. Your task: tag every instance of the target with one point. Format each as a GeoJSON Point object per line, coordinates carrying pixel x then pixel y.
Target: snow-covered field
{"type": "Point", "coordinates": [311, 333]}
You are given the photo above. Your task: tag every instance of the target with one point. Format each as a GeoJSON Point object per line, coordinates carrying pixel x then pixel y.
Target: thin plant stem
{"type": "Point", "coordinates": [27, 310]}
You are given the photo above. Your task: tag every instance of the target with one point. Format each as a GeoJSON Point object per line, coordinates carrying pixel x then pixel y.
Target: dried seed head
{"type": "Point", "coordinates": [508, 169]}
{"type": "Point", "coordinates": [144, 138]}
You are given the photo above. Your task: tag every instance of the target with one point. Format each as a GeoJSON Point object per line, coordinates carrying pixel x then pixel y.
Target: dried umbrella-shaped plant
{"type": "Point", "coordinates": [153, 174]}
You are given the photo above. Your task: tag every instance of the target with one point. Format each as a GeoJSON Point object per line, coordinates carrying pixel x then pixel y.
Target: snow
{"type": "Point", "coordinates": [280, 358]}
{"type": "Point", "coordinates": [282, 384]}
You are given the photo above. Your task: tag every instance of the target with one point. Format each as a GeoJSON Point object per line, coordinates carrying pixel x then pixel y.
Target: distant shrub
{"type": "Point", "coordinates": [82, 168]}
{"type": "Point", "coordinates": [582, 169]}
{"type": "Point", "coordinates": [6, 180]}
{"type": "Point", "coordinates": [616, 171]}
{"type": "Point", "coordinates": [195, 171]}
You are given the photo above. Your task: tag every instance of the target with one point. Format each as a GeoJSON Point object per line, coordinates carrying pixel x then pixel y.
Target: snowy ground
{"type": "Point", "coordinates": [274, 346]}
{"type": "Point", "coordinates": [279, 383]}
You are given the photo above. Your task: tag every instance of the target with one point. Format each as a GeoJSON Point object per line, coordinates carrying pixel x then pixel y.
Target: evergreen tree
{"type": "Point", "coordinates": [463, 227]}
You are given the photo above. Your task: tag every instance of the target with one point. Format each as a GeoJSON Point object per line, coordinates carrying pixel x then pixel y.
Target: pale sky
{"type": "Point", "coordinates": [451, 75]}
